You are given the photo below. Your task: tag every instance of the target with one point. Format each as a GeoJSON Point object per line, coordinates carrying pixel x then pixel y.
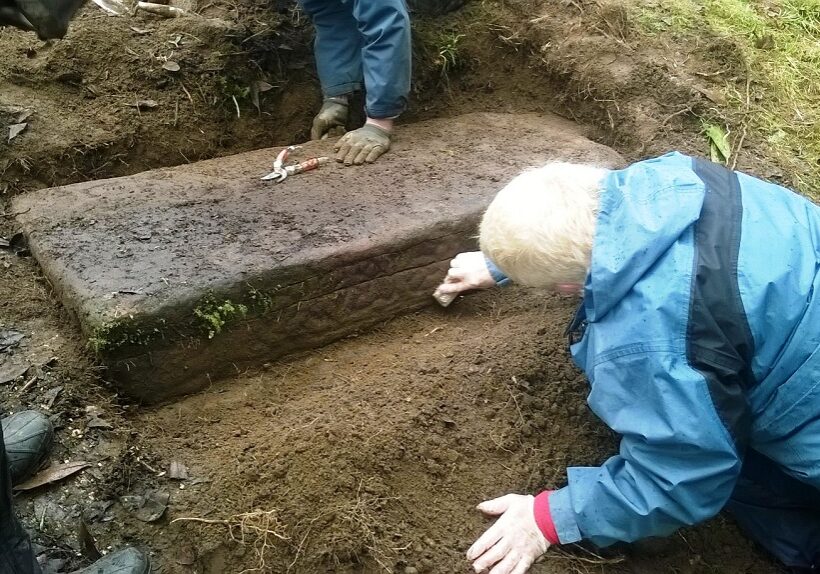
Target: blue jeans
{"type": "Point", "coordinates": [778, 512]}
{"type": "Point", "coordinates": [363, 44]}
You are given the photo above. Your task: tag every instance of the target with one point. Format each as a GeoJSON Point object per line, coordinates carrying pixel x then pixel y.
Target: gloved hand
{"type": "Point", "coordinates": [333, 113]}
{"type": "Point", "coordinates": [514, 542]}
{"type": "Point", "coordinates": [365, 144]}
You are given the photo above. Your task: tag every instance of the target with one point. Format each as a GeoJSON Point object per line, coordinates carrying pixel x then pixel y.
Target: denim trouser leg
{"type": "Point", "coordinates": [338, 46]}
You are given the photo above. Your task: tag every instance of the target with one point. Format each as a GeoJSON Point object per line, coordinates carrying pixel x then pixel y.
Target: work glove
{"type": "Point", "coordinates": [514, 542]}
{"type": "Point", "coordinates": [365, 144]}
{"type": "Point", "coordinates": [332, 114]}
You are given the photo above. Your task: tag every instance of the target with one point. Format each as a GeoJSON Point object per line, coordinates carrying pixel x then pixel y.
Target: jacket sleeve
{"type": "Point", "coordinates": [498, 276]}
{"type": "Point", "coordinates": [677, 465]}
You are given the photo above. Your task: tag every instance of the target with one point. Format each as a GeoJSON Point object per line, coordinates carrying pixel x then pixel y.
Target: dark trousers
{"type": "Point", "coordinates": [779, 512]}
{"type": "Point", "coordinates": [16, 554]}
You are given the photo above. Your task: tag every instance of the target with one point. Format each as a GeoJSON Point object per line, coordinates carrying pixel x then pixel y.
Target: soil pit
{"type": "Point", "coordinates": [369, 455]}
{"type": "Point", "coordinates": [180, 276]}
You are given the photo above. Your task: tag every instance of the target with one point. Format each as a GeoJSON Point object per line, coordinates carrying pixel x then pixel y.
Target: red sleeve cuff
{"type": "Point", "coordinates": [543, 517]}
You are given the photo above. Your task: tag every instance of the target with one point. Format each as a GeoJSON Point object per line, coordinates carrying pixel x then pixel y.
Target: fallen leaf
{"type": "Point", "coordinates": [94, 511]}
{"type": "Point", "coordinates": [171, 66]}
{"type": "Point", "coordinates": [16, 129]}
{"type": "Point", "coordinates": [144, 104]}
{"type": "Point", "coordinates": [112, 7]}
{"type": "Point", "coordinates": [95, 422]}
{"type": "Point", "coordinates": [263, 86]}
{"type": "Point", "coordinates": [54, 473]}
{"type": "Point", "coordinates": [88, 546]}
{"type": "Point", "coordinates": [10, 338]}
{"type": "Point", "coordinates": [178, 471]}
{"type": "Point", "coordinates": [12, 369]}
{"type": "Point", "coordinates": [154, 506]}
{"type": "Point", "coordinates": [51, 396]}
{"type": "Point", "coordinates": [185, 555]}
{"type": "Point", "coordinates": [24, 115]}
{"type": "Point", "coordinates": [718, 143]}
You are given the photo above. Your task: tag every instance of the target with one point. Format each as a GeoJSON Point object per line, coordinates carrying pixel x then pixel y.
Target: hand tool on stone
{"type": "Point", "coordinates": [281, 172]}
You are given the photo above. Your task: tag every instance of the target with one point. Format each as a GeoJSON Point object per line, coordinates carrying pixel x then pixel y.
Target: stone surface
{"type": "Point", "coordinates": [151, 264]}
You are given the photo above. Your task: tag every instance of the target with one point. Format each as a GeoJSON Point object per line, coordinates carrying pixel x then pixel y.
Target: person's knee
{"type": "Point", "coordinates": [325, 11]}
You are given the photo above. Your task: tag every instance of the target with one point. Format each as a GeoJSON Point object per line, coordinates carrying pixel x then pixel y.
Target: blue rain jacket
{"type": "Point", "coordinates": [699, 333]}
{"type": "Point", "coordinates": [363, 43]}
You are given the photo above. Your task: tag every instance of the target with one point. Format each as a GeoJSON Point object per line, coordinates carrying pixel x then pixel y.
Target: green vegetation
{"type": "Point", "coordinates": [121, 332]}
{"type": "Point", "coordinates": [779, 40]}
{"type": "Point", "coordinates": [213, 316]}
{"type": "Point", "coordinates": [448, 52]}
{"type": "Point", "coordinates": [261, 301]}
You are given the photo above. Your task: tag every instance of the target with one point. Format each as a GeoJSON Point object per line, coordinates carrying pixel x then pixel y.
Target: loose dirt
{"type": "Point", "coordinates": [368, 455]}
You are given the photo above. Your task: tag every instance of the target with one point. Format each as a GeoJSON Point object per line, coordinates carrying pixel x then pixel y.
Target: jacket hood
{"type": "Point", "coordinates": [644, 209]}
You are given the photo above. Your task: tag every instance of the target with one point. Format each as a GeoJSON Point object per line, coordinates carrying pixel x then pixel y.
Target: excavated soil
{"type": "Point", "coordinates": [368, 455]}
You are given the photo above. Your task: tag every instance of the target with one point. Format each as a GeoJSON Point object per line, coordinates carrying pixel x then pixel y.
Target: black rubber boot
{"type": "Point", "coordinates": [49, 18]}
{"type": "Point", "coordinates": [28, 436]}
{"type": "Point", "coordinates": [126, 561]}
{"type": "Point", "coordinates": [10, 15]}
{"type": "Point", "coordinates": [16, 554]}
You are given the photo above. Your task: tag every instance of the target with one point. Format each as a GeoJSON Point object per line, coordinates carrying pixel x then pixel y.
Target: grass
{"type": "Point", "coordinates": [779, 40]}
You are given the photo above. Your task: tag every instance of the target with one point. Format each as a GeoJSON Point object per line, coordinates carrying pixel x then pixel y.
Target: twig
{"type": "Point", "coordinates": [148, 466]}
{"type": "Point", "coordinates": [745, 117]}
{"type": "Point", "coordinates": [202, 520]}
{"type": "Point", "coordinates": [30, 382]}
{"type": "Point", "coordinates": [187, 93]}
{"type": "Point", "coordinates": [235, 103]}
{"type": "Point", "coordinates": [14, 213]}
{"type": "Point", "coordinates": [520, 416]}
{"type": "Point", "coordinates": [739, 146]}
{"type": "Point", "coordinates": [679, 112]}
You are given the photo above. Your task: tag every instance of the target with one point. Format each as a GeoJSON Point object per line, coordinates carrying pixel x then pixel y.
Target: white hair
{"type": "Point", "coordinates": [539, 229]}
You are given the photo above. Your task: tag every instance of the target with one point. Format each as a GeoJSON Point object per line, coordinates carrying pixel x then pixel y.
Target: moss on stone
{"type": "Point", "coordinates": [123, 332]}
{"type": "Point", "coordinates": [213, 315]}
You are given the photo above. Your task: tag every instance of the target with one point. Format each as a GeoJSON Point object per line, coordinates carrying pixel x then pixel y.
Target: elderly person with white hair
{"type": "Point", "coordinates": [699, 332]}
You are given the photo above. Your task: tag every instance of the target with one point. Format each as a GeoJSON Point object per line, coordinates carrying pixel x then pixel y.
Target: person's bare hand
{"type": "Point", "coordinates": [514, 542]}
{"type": "Point", "coordinates": [467, 271]}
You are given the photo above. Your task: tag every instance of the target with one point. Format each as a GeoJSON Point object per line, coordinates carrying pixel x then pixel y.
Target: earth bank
{"type": "Point", "coordinates": [366, 456]}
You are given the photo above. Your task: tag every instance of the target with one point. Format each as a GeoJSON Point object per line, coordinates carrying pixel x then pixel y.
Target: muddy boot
{"type": "Point", "coordinates": [49, 18]}
{"type": "Point", "coordinates": [10, 15]}
{"type": "Point", "coordinates": [28, 436]}
{"type": "Point", "coordinates": [126, 561]}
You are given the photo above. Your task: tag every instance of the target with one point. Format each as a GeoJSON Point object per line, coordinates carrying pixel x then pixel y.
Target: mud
{"type": "Point", "coordinates": [370, 454]}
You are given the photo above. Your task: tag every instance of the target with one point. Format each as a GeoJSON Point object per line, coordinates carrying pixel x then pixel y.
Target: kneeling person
{"type": "Point", "coordinates": [699, 332]}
